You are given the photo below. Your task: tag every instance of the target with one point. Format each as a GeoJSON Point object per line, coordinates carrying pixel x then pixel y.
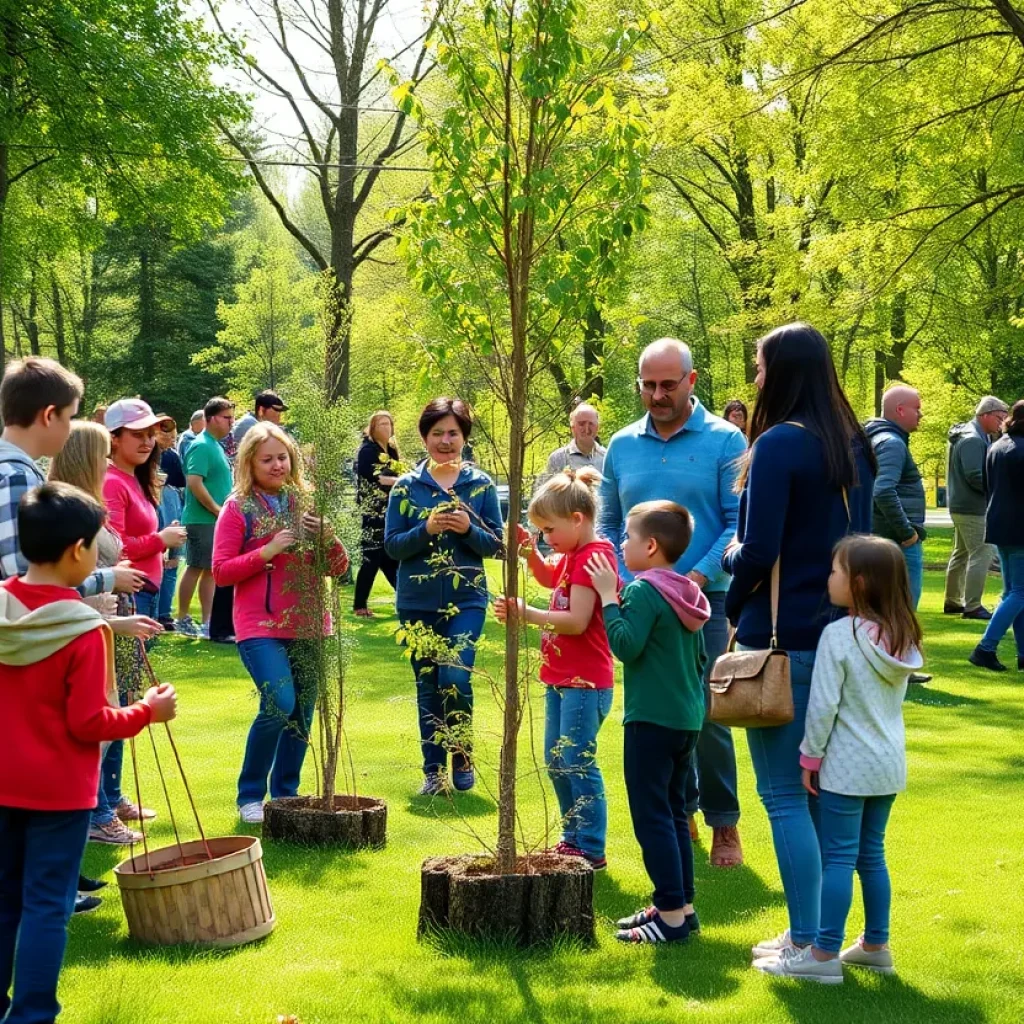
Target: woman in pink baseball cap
{"type": "Point", "coordinates": [131, 491]}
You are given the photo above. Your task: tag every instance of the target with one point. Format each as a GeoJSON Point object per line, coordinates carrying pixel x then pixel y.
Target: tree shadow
{"type": "Point", "coordinates": [447, 808]}
{"type": "Point", "coordinates": [306, 865]}
{"type": "Point", "coordinates": [928, 696]}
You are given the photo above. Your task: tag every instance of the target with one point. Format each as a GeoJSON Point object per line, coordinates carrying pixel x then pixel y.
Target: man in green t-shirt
{"type": "Point", "coordinates": [208, 484]}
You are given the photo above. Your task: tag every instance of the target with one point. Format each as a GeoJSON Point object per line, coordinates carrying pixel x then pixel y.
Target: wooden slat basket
{"type": "Point", "coordinates": [183, 896]}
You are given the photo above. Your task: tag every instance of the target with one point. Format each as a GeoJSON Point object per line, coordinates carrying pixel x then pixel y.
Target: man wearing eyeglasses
{"type": "Point", "coordinates": [679, 451]}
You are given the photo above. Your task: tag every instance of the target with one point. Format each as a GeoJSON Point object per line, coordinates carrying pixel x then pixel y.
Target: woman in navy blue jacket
{"type": "Point", "coordinates": [443, 520]}
{"type": "Point", "coordinates": [807, 481]}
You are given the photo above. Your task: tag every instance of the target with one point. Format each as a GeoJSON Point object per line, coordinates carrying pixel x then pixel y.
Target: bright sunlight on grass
{"type": "Point", "coordinates": [345, 948]}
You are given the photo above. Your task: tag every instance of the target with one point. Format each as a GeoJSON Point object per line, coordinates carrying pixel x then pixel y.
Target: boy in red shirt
{"type": "Point", "coordinates": [56, 664]}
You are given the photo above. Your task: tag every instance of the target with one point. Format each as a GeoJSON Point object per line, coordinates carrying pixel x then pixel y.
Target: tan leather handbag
{"type": "Point", "coordinates": [752, 689]}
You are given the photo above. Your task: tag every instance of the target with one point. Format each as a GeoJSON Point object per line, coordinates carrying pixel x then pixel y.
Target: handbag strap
{"type": "Point", "coordinates": [775, 603]}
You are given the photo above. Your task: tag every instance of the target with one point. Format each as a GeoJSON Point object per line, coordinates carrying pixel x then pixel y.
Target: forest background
{"type": "Point", "coordinates": [184, 188]}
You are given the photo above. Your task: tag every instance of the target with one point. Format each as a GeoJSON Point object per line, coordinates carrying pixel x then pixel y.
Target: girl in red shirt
{"type": "Point", "coordinates": [576, 661]}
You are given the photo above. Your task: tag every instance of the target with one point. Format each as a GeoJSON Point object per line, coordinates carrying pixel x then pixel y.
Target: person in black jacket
{"type": "Point", "coordinates": [899, 493]}
{"type": "Point", "coordinates": [375, 476]}
{"type": "Point", "coordinates": [1004, 527]}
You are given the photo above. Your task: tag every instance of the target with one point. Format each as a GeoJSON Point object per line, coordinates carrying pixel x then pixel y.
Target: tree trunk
{"type": "Point", "coordinates": [593, 353]}
{"type": "Point", "coordinates": [59, 335]}
{"type": "Point", "coordinates": [32, 320]}
{"type": "Point", "coordinates": [145, 339]}
{"type": "Point", "coordinates": [898, 341]}
{"type": "Point", "coordinates": [565, 392]}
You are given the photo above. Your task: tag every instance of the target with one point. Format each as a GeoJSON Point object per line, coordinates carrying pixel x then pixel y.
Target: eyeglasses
{"type": "Point", "coordinates": [668, 386]}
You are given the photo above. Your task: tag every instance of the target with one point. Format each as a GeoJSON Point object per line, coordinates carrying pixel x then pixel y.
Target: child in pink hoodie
{"type": "Point", "coordinates": [654, 629]}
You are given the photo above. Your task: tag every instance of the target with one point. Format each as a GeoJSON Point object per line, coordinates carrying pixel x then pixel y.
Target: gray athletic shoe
{"type": "Point", "coordinates": [801, 964]}
{"type": "Point", "coordinates": [879, 960]}
{"type": "Point", "coordinates": [773, 947]}
{"type": "Point", "coordinates": [186, 627]}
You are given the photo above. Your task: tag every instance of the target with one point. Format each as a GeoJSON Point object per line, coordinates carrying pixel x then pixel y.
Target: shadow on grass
{"type": "Point", "coordinates": [869, 997]}
{"type": "Point", "coordinates": [928, 696]}
{"type": "Point", "coordinates": [451, 807]}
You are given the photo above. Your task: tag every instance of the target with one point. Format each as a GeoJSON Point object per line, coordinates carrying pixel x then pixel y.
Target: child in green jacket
{"type": "Point", "coordinates": [654, 629]}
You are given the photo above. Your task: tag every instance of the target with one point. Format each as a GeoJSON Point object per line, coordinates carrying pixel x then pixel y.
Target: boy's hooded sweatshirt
{"type": "Point", "coordinates": [853, 734]}
{"type": "Point", "coordinates": [656, 633]}
{"type": "Point", "coordinates": [56, 672]}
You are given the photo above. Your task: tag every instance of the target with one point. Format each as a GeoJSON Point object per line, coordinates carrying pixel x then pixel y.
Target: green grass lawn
{"type": "Point", "coordinates": [345, 948]}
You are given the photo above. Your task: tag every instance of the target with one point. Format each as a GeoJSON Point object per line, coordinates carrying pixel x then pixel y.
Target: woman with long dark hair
{"type": "Point", "coordinates": [1004, 527]}
{"type": "Point", "coordinates": [131, 490]}
{"type": "Point", "coordinates": [375, 475]}
{"type": "Point", "coordinates": [806, 482]}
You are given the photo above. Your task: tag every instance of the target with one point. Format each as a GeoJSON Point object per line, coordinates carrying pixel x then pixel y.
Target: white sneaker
{"type": "Point", "coordinates": [802, 964]}
{"type": "Point", "coordinates": [773, 947]}
{"type": "Point", "coordinates": [204, 631]}
{"type": "Point", "coordinates": [879, 960]}
{"type": "Point", "coordinates": [251, 814]}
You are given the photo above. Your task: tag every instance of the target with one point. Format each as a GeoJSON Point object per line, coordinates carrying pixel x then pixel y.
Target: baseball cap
{"type": "Point", "coordinates": [991, 404]}
{"type": "Point", "coordinates": [270, 400]}
{"type": "Point", "coordinates": [132, 414]}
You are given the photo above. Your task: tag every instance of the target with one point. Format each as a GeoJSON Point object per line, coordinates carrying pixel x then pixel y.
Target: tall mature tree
{"type": "Point", "coordinates": [90, 88]}
{"type": "Point", "coordinates": [343, 151]}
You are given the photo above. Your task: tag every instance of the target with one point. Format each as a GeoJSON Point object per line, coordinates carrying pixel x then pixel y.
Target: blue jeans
{"type": "Point", "coordinates": [444, 693]}
{"type": "Point", "coordinates": [168, 588]}
{"type": "Point", "coordinates": [852, 830]}
{"type": "Point", "coordinates": [40, 854]}
{"type": "Point", "coordinates": [792, 812]}
{"type": "Point", "coordinates": [711, 783]}
{"type": "Point", "coordinates": [145, 604]}
{"type": "Point", "coordinates": [171, 504]}
{"type": "Point", "coordinates": [109, 794]}
{"type": "Point", "coordinates": [914, 556]}
{"type": "Point", "coordinates": [572, 720]}
{"type": "Point", "coordinates": [284, 672]}
{"type": "Point", "coordinates": [1011, 608]}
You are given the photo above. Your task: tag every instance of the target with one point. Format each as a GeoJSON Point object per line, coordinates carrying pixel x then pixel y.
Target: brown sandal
{"type": "Point", "coordinates": [364, 613]}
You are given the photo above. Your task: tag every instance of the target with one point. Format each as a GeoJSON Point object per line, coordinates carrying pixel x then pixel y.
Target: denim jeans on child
{"type": "Point", "coordinates": [40, 854]}
{"type": "Point", "coordinates": [1011, 608]}
{"type": "Point", "coordinates": [656, 762]}
{"type": "Point", "coordinates": [284, 672]}
{"type": "Point", "coordinates": [711, 784]}
{"type": "Point", "coordinates": [572, 719]}
{"type": "Point", "coordinates": [444, 693]}
{"type": "Point", "coordinates": [792, 812]}
{"type": "Point", "coordinates": [853, 837]}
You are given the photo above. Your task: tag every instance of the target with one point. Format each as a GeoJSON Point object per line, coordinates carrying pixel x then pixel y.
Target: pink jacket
{"type": "Point", "coordinates": [271, 598]}
{"type": "Point", "coordinates": [133, 518]}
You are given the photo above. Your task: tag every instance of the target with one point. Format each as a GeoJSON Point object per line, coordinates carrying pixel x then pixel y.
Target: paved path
{"type": "Point", "coordinates": [937, 517]}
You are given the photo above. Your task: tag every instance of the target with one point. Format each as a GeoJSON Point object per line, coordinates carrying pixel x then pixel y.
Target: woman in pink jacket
{"type": "Point", "coordinates": [258, 526]}
{"type": "Point", "coordinates": [131, 494]}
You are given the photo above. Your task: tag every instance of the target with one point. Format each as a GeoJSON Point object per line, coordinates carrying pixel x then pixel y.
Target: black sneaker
{"type": "Point", "coordinates": [919, 678]}
{"type": "Point", "coordinates": [168, 623]}
{"type": "Point", "coordinates": [986, 659]}
{"type": "Point", "coordinates": [952, 608]}
{"type": "Point", "coordinates": [84, 904]}
{"type": "Point", "coordinates": [87, 884]}
{"type": "Point", "coordinates": [641, 917]}
{"type": "Point", "coordinates": [981, 613]}
{"type": "Point", "coordinates": [654, 930]}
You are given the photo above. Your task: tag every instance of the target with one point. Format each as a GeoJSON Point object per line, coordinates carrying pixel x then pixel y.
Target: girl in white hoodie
{"type": "Point", "coordinates": [854, 753]}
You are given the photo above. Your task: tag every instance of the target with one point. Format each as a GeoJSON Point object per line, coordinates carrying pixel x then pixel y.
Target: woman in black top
{"type": "Point", "coordinates": [1004, 527]}
{"type": "Point", "coordinates": [375, 476]}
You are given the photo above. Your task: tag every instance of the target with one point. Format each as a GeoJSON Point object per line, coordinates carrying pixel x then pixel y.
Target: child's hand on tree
{"type": "Point", "coordinates": [162, 701]}
{"type": "Point", "coordinates": [525, 538]}
{"type": "Point", "coordinates": [505, 610]}
{"type": "Point", "coordinates": [604, 578]}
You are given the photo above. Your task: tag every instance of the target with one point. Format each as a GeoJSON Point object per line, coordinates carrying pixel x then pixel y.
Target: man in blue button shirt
{"type": "Point", "coordinates": [681, 452]}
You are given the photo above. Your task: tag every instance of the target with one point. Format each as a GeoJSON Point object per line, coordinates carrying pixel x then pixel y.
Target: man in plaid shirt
{"type": "Point", "coordinates": [38, 400]}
